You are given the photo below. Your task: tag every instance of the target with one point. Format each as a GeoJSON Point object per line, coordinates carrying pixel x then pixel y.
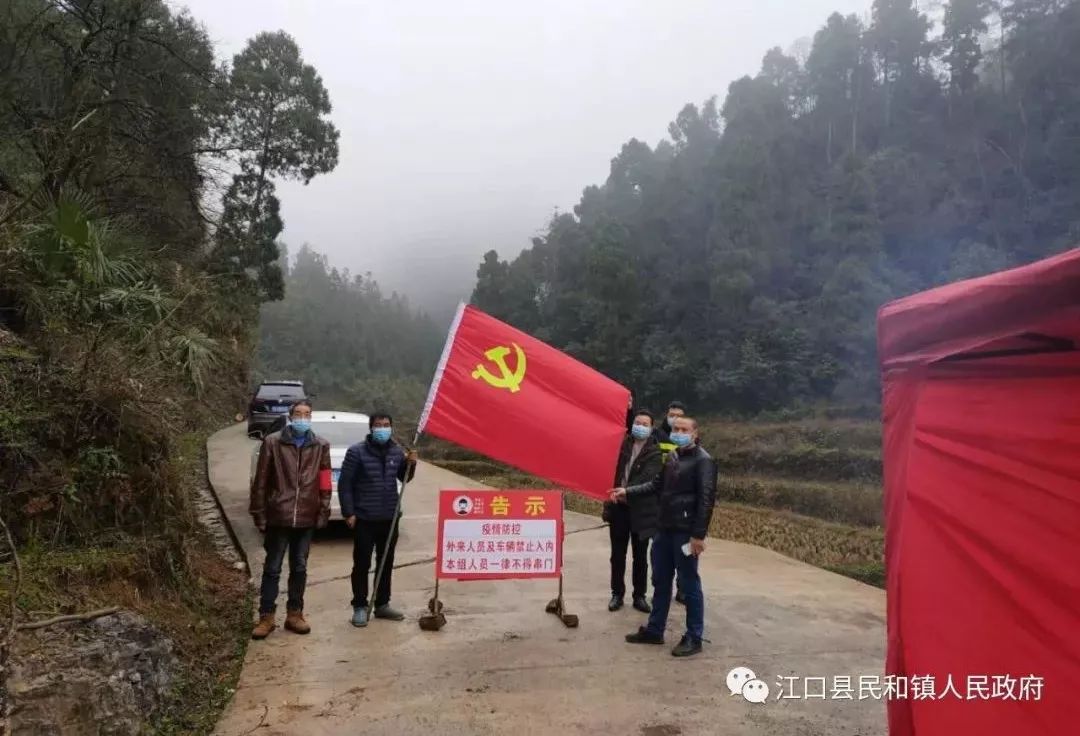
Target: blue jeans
{"type": "Point", "coordinates": [276, 542]}
{"type": "Point", "coordinates": [667, 558]}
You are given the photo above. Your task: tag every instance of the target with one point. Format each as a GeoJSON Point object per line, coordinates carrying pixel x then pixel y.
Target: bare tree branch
{"type": "Point", "coordinates": [81, 617]}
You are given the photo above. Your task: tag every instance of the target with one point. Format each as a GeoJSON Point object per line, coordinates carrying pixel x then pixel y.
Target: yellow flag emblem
{"type": "Point", "coordinates": [506, 378]}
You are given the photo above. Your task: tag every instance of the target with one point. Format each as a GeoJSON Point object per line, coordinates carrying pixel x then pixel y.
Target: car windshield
{"type": "Point", "coordinates": [280, 391]}
{"type": "Point", "coordinates": [341, 433]}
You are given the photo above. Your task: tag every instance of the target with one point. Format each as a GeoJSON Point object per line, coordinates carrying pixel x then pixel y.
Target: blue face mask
{"type": "Point", "coordinates": [300, 426]}
{"type": "Point", "coordinates": [640, 432]}
{"type": "Point", "coordinates": [680, 439]}
{"type": "Point", "coordinates": [381, 435]}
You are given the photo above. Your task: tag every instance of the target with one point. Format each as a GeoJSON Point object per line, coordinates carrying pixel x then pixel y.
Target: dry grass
{"type": "Point", "coordinates": [493, 474]}
{"type": "Point", "coordinates": [583, 504]}
{"type": "Point", "coordinates": [856, 434]}
{"type": "Point", "coordinates": [202, 607]}
{"type": "Point", "coordinates": [853, 551]}
{"type": "Point", "coordinates": [825, 450]}
{"type": "Point", "coordinates": [190, 593]}
{"type": "Point", "coordinates": [858, 503]}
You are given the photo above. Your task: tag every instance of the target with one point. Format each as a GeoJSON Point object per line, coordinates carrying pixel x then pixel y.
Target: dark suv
{"type": "Point", "coordinates": [270, 406]}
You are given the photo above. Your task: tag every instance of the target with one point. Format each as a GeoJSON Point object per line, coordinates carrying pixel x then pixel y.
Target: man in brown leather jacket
{"type": "Point", "coordinates": [290, 498]}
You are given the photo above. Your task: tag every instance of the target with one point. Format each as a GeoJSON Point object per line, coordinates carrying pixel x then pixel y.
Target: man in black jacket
{"type": "Point", "coordinates": [639, 462]}
{"type": "Point", "coordinates": [662, 435]}
{"type": "Point", "coordinates": [368, 492]}
{"type": "Point", "coordinates": [686, 490]}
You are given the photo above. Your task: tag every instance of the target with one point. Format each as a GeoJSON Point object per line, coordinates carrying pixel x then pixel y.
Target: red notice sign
{"type": "Point", "coordinates": [496, 535]}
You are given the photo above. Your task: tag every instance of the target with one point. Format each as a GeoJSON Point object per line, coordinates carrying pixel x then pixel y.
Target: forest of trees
{"type": "Point", "coordinates": [355, 347]}
{"type": "Point", "coordinates": [739, 265]}
{"type": "Point", "coordinates": [138, 237]}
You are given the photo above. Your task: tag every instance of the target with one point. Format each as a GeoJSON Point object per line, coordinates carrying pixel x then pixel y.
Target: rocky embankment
{"type": "Point", "coordinates": [109, 676]}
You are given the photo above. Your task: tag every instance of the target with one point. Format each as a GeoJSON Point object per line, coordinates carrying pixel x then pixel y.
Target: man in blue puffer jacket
{"type": "Point", "coordinates": [368, 491]}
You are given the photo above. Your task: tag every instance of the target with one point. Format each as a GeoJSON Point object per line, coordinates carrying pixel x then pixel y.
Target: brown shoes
{"type": "Point", "coordinates": [264, 627]}
{"type": "Point", "coordinates": [294, 622]}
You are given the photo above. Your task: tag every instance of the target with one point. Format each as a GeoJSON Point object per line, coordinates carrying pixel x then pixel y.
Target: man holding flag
{"type": "Point", "coordinates": [368, 491]}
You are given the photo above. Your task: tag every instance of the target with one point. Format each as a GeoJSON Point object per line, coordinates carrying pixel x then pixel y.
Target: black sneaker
{"type": "Point", "coordinates": [616, 603]}
{"type": "Point", "coordinates": [640, 604]}
{"type": "Point", "coordinates": [644, 636]}
{"type": "Point", "coordinates": [687, 647]}
{"type": "Point", "coordinates": [680, 597]}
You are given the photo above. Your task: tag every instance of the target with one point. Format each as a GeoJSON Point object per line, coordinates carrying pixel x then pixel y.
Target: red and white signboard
{"type": "Point", "coordinates": [496, 535]}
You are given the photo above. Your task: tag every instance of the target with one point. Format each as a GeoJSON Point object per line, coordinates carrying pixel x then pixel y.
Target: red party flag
{"type": "Point", "coordinates": [505, 394]}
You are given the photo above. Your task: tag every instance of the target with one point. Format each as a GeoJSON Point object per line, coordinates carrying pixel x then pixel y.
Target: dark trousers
{"type": "Point", "coordinates": [621, 537]}
{"type": "Point", "coordinates": [369, 536]}
{"type": "Point", "coordinates": [276, 542]}
{"type": "Point", "coordinates": [667, 559]}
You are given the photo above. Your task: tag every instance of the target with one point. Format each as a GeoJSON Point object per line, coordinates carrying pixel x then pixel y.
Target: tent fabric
{"type": "Point", "coordinates": [1041, 298]}
{"type": "Point", "coordinates": [981, 412]}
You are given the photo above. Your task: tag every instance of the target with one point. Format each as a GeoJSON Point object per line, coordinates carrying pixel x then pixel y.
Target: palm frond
{"type": "Point", "coordinates": [69, 242]}
{"type": "Point", "coordinates": [139, 299]}
{"type": "Point", "coordinates": [195, 353]}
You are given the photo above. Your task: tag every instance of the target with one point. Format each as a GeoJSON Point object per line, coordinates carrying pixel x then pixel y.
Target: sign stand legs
{"type": "Point", "coordinates": [434, 619]}
{"type": "Point", "coordinates": [558, 607]}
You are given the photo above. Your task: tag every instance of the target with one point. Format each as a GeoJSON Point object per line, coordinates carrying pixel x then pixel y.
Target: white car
{"type": "Point", "coordinates": [342, 429]}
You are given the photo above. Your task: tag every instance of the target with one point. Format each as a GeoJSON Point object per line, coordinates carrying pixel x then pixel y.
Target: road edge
{"type": "Point", "coordinates": [225, 520]}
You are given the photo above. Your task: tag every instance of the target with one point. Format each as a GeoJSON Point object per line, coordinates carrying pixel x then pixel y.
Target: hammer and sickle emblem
{"type": "Point", "coordinates": [507, 379]}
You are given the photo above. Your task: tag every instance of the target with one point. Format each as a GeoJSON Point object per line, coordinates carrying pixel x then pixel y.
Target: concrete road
{"type": "Point", "coordinates": [501, 665]}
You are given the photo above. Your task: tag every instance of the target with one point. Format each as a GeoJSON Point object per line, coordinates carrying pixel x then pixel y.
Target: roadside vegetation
{"type": "Point", "coordinates": [181, 584]}
{"type": "Point", "coordinates": [138, 237]}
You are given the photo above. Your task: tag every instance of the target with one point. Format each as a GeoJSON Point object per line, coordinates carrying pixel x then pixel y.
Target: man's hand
{"type": "Point", "coordinates": [410, 457]}
{"type": "Point", "coordinates": [697, 546]}
{"type": "Point", "coordinates": [618, 495]}
{"type": "Point", "coordinates": [351, 521]}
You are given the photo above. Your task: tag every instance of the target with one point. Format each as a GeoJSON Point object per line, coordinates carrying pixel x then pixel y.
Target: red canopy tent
{"type": "Point", "coordinates": [981, 409]}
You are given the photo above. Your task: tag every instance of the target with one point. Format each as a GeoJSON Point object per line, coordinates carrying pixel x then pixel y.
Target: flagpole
{"type": "Point", "coordinates": [440, 369]}
{"type": "Point", "coordinates": [393, 530]}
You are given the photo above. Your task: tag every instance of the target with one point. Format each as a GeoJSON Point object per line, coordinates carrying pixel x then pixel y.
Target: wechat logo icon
{"type": "Point", "coordinates": [743, 681]}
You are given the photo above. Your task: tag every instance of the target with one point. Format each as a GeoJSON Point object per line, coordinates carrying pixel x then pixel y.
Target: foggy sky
{"type": "Point", "coordinates": [465, 123]}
